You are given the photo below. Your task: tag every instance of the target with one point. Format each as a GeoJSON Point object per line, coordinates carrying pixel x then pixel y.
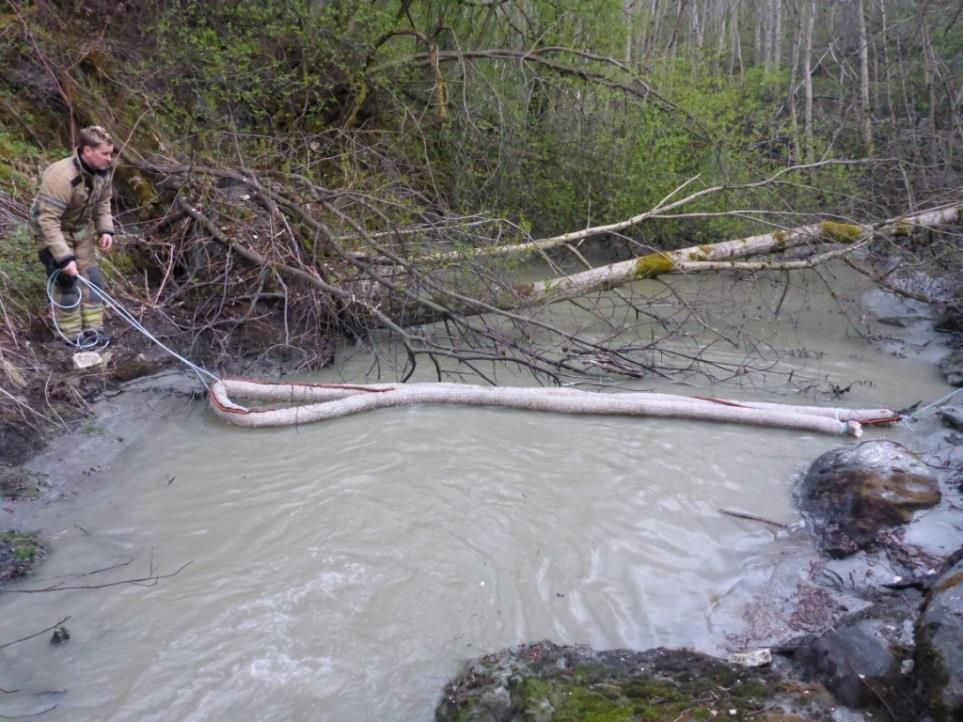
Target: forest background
{"type": "Point", "coordinates": [295, 172]}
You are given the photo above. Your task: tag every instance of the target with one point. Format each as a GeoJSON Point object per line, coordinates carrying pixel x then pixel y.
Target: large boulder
{"type": "Point", "coordinates": [853, 661]}
{"type": "Point", "coordinates": [543, 682]}
{"type": "Point", "coordinates": [939, 647]}
{"type": "Point", "coordinates": [850, 495]}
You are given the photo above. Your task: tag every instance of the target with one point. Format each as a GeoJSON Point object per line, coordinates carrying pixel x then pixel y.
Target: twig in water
{"type": "Point", "coordinates": [150, 580]}
{"type": "Point", "coordinates": [35, 634]}
{"type": "Point", "coordinates": [32, 714]}
{"type": "Point", "coordinates": [753, 517]}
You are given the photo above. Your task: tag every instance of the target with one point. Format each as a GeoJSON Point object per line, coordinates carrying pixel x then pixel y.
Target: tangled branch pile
{"type": "Point", "coordinates": [408, 175]}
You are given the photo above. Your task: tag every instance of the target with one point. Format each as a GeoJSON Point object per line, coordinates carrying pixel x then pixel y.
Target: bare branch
{"type": "Point", "coordinates": [659, 210]}
{"type": "Point", "coordinates": [36, 634]}
{"type": "Point", "coordinates": [149, 580]}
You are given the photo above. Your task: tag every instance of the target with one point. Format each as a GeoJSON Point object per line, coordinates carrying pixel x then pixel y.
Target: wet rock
{"type": "Point", "coordinates": [19, 483]}
{"type": "Point", "coordinates": [850, 495]}
{"type": "Point", "coordinates": [865, 660]}
{"type": "Point", "coordinates": [544, 681]}
{"type": "Point", "coordinates": [131, 369]}
{"type": "Point", "coordinates": [951, 319]}
{"type": "Point", "coordinates": [952, 368]}
{"type": "Point", "coordinates": [939, 653]}
{"type": "Point", "coordinates": [18, 443]}
{"type": "Point", "coordinates": [952, 416]}
{"type": "Point", "coordinates": [852, 662]}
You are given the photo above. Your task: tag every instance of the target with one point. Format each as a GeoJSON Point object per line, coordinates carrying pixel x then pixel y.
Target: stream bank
{"type": "Point", "coordinates": [820, 601]}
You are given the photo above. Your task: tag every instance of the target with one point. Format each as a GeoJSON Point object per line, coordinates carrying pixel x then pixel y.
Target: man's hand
{"type": "Point", "coordinates": [105, 242]}
{"type": "Point", "coordinates": [70, 269]}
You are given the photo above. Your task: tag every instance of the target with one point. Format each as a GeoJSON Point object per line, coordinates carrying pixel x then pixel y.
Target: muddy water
{"type": "Point", "coordinates": [342, 571]}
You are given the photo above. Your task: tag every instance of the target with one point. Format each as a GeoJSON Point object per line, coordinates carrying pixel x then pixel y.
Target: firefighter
{"type": "Point", "coordinates": [74, 195]}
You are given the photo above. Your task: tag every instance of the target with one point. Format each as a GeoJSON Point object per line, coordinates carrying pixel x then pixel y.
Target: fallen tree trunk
{"type": "Point", "coordinates": [842, 238]}
{"type": "Point", "coordinates": [320, 402]}
{"type": "Point", "coordinates": [725, 254]}
{"type": "Point", "coordinates": [387, 294]}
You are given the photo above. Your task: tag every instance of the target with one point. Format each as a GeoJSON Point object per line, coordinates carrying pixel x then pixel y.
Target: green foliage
{"type": "Point", "coordinates": [326, 91]}
{"type": "Point", "coordinates": [19, 483]}
{"type": "Point", "coordinates": [566, 154]}
{"type": "Point", "coordinates": [25, 546]}
{"type": "Point", "coordinates": [12, 152]}
{"type": "Point", "coordinates": [262, 67]}
{"type": "Point", "coordinates": [21, 274]}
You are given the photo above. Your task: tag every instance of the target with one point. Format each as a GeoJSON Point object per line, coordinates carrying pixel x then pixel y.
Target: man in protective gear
{"type": "Point", "coordinates": [74, 193]}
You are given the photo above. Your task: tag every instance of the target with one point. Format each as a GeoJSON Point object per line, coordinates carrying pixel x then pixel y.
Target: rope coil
{"type": "Point", "coordinates": [115, 305]}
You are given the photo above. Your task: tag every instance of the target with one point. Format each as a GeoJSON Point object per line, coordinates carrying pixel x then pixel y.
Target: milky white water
{"type": "Point", "coordinates": [343, 571]}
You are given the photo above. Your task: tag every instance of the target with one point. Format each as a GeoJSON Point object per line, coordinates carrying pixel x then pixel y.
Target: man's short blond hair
{"type": "Point", "coordinates": [93, 136]}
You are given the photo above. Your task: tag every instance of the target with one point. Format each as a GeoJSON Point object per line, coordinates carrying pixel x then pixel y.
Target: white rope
{"type": "Point", "coordinates": [129, 318]}
{"type": "Point", "coordinates": [939, 401]}
{"type": "Point", "coordinates": [86, 339]}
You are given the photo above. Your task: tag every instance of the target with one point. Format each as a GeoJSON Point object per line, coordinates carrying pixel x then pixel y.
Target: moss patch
{"type": "Point", "coordinates": [652, 265]}
{"type": "Point", "coordinates": [840, 232]}
{"type": "Point", "coordinates": [544, 682]}
{"type": "Point", "coordinates": [902, 227]}
{"type": "Point", "coordinates": [19, 551]}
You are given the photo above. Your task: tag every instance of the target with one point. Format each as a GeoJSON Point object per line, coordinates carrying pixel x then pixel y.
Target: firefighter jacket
{"type": "Point", "coordinates": [70, 196]}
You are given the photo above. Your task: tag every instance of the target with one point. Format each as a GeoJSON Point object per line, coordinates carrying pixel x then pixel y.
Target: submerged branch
{"type": "Point", "coordinates": [36, 634]}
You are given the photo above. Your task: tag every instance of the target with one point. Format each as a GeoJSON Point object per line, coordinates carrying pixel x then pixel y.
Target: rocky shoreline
{"type": "Point", "coordinates": [899, 656]}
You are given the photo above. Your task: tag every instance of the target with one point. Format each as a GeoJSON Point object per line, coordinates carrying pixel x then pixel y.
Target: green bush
{"type": "Point", "coordinates": [21, 274]}
{"type": "Point", "coordinates": [12, 179]}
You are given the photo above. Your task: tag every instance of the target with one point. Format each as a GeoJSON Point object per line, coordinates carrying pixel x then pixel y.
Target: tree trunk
{"type": "Point", "coordinates": [627, 22]}
{"type": "Point", "coordinates": [791, 99]}
{"type": "Point", "coordinates": [929, 64]}
{"type": "Point", "coordinates": [887, 66]}
{"type": "Point", "coordinates": [777, 36]}
{"type": "Point", "coordinates": [735, 53]}
{"type": "Point", "coordinates": [726, 254]}
{"type": "Point", "coordinates": [767, 29]}
{"type": "Point", "coordinates": [809, 22]}
{"type": "Point", "coordinates": [865, 113]}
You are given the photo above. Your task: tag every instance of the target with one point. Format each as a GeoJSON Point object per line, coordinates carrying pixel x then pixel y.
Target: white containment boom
{"type": "Point", "coordinates": [322, 402]}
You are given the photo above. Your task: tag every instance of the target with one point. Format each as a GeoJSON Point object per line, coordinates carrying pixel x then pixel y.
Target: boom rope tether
{"type": "Point", "coordinates": [939, 402]}
{"type": "Point", "coordinates": [117, 306]}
